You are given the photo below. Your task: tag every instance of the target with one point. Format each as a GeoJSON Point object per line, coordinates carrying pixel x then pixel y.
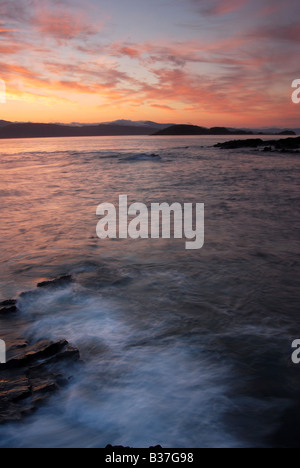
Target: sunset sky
{"type": "Point", "coordinates": [206, 62]}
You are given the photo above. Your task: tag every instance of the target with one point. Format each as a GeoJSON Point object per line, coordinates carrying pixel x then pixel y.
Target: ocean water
{"type": "Point", "coordinates": [180, 348]}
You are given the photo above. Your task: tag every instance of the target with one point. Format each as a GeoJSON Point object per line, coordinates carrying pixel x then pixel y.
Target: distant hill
{"type": "Point", "coordinates": [139, 123]}
{"type": "Point", "coordinates": [36, 130]}
{"type": "Point", "coordinates": [118, 128]}
{"type": "Point", "coordinates": [274, 131]}
{"type": "Point", "coordinates": [3, 123]}
{"type": "Point", "coordinates": [195, 130]}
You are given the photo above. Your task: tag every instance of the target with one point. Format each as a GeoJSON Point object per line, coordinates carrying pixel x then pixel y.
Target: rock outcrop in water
{"type": "Point", "coordinates": [58, 282]}
{"type": "Point", "coordinates": [31, 376]}
{"type": "Point", "coordinates": [8, 307]}
{"type": "Point", "coordinates": [283, 145]}
{"type": "Point", "coordinates": [33, 371]}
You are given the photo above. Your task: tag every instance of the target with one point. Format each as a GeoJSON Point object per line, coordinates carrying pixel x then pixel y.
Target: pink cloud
{"type": "Point", "coordinates": [89, 72]}
{"type": "Point", "coordinates": [129, 50]}
{"type": "Point", "coordinates": [229, 6]}
{"type": "Point", "coordinates": [11, 48]}
{"type": "Point", "coordinates": [57, 19]}
{"type": "Point", "coordinates": [289, 33]}
{"type": "Point", "coordinates": [63, 24]}
{"type": "Point", "coordinates": [15, 10]}
{"type": "Point", "coordinates": [162, 107]}
{"type": "Point", "coordinates": [219, 7]}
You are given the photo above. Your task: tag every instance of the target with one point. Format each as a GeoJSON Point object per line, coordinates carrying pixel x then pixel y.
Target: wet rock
{"type": "Point", "coordinates": [8, 307]}
{"type": "Point", "coordinates": [33, 371]}
{"type": "Point", "coordinates": [38, 351]}
{"type": "Point", "coordinates": [284, 145]}
{"type": "Point", "coordinates": [32, 374]}
{"type": "Point", "coordinates": [19, 344]}
{"type": "Point", "coordinates": [58, 282]}
{"type": "Point", "coordinates": [236, 144]}
{"type": "Point", "coordinates": [9, 303]}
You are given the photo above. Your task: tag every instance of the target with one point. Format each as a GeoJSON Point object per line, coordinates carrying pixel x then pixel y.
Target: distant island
{"type": "Point", "coordinates": [195, 130]}
{"type": "Point", "coordinates": [39, 130]}
{"type": "Point", "coordinates": [10, 130]}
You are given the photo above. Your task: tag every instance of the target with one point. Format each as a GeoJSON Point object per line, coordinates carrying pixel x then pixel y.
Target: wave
{"type": "Point", "coordinates": [144, 157]}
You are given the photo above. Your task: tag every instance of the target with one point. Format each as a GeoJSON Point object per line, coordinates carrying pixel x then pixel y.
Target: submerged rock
{"type": "Point", "coordinates": [62, 281]}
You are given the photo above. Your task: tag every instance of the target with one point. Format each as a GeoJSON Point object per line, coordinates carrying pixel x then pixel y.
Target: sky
{"type": "Point", "coordinates": [204, 62]}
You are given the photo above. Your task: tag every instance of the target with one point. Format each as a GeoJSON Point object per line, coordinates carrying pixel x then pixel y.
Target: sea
{"type": "Point", "coordinates": [179, 348]}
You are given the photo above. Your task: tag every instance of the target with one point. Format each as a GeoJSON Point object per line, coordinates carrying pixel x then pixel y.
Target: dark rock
{"type": "Point", "coordinates": [8, 307]}
{"type": "Point", "coordinates": [288, 132]}
{"type": "Point", "coordinates": [9, 303]}
{"type": "Point", "coordinates": [19, 344]}
{"type": "Point", "coordinates": [68, 352]}
{"type": "Point", "coordinates": [44, 387]}
{"type": "Point", "coordinates": [8, 310]}
{"type": "Point", "coordinates": [31, 375]}
{"type": "Point", "coordinates": [236, 144]}
{"type": "Point", "coordinates": [285, 144]}
{"type": "Point", "coordinates": [15, 388]}
{"type": "Point", "coordinates": [62, 281]}
{"type": "Point", "coordinates": [31, 354]}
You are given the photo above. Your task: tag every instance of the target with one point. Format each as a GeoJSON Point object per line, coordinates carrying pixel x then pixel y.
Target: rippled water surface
{"type": "Point", "coordinates": [180, 348]}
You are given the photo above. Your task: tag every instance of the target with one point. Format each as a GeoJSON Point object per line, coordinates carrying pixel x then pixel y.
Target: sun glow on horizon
{"type": "Point", "coordinates": [180, 62]}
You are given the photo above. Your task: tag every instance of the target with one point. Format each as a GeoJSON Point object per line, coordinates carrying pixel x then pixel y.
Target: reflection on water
{"type": "Point", "coordinates": [182, 349]}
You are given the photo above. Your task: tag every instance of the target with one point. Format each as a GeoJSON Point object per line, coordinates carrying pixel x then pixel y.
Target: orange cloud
{"type": "Point", "coordinates": [119, 50]}
{"type": "Point", "coordinates": [10, 49]}
{"type": "Point", "coordinates": [163, 107]}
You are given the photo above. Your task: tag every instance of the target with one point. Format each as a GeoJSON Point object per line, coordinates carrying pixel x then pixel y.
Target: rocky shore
{"type": "Point", "coordinates": [33, 370]}
{"type": "Point", "coordinates": [285, 145]}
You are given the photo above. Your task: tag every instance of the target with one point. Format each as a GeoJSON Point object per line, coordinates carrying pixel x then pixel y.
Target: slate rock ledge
{"type": "Point", "coordinates": [31, 375]}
